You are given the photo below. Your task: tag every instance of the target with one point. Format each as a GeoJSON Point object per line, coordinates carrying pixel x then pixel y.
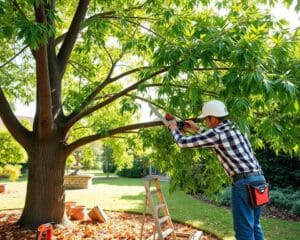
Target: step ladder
{"type": "Point", "coordinates": [163, 228]}
{"type": "Point", "coordinates": [154, 197]}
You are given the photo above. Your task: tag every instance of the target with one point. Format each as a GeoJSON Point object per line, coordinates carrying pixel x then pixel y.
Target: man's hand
{"type": "Point", "coordinates": [189, 126]}
{"type": "Point", "coordinates": [172, 125]}
{"type": "Point", "coordinates": [192, 126]}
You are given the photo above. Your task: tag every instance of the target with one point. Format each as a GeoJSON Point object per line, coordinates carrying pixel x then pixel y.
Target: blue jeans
{"type": "Point", "coordinates": [246, 218]}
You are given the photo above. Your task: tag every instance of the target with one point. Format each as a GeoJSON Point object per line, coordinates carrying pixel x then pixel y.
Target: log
{"type": "Point", "coordinates": [98, 214]}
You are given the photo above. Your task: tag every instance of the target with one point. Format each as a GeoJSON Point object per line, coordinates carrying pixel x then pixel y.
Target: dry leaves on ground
{"type": "Point", "coordinates": [121, 226]}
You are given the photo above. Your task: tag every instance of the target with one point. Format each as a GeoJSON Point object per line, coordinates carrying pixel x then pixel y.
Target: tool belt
{"type": "Point", "coordinates": [245, 175]}
{"type": "Point", "coordinates": [259, 194]}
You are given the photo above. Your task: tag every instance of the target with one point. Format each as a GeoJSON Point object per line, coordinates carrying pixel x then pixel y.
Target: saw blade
{"type": "Point", "coordinates": [158, 114]}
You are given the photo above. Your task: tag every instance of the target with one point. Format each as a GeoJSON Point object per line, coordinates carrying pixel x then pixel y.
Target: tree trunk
{"type": "Point", "coordinates": [45, 189]}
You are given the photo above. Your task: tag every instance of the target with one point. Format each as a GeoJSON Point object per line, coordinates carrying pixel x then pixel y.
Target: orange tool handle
{"type": "Point", "coordinates": [45, 232]}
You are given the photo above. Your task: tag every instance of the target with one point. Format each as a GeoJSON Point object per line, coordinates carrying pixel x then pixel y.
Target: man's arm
{"type": "Point", "coordinates": [189, 126]}
{"type": "Point", "coordinates": [207, 138]}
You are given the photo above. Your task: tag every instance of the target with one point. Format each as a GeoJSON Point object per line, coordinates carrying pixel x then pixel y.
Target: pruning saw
{"type": "Point", "coordinates": [182, 125]}
{"type": "Point", "coordinates": [158, 114]}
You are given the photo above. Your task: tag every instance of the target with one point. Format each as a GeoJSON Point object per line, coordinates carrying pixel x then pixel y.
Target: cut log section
{"type": "Point", "coordinates": [97, 214]}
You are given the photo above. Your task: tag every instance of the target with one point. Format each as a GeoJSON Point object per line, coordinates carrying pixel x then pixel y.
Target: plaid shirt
{"type": "Point", "coordinates": [231, 146]}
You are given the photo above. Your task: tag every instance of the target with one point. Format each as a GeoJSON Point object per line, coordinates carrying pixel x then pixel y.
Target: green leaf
{"type": "Point", "coordinates": [268, 85]}
{"type": "Point", "coordinates": [289, 87]}
{"type": "Point", "coordinates": [168, 14]}
{"type": "Point", "coordinates": [8, 31]}
{"type": "Point", "coordinates": [278, 127]}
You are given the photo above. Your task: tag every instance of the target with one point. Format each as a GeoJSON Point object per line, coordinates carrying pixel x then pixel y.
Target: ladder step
{"type": "Point", "coordinates": [164, 234]}
{"type": "Point", "coordinates": [160, 206]}
{"type": "Point", "coordinates": [151, 177]}
{"type": "Point", "coordinates": [196, 236]}
{"type": "Point", "coordinates": [190, 236]}
{"type": "Point", "coordinates": [163, 219]}
{"type": "Point", "coordinates": [153, 191]}
{"type": "Point", "coordinates": [152, 237]}
{"type": "Point", "coordinates": [167, 232]}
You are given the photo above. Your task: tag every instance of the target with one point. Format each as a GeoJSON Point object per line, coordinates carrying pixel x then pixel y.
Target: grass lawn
{"type": "Point", "coordinates": [122, 194]}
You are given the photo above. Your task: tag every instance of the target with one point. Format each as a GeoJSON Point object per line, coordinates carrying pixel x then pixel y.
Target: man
{"type": "Point", "coordinates": [237, 158]}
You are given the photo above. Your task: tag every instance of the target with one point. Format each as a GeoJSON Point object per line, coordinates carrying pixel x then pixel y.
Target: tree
{"type": "Point", "coordinates": [108, 164]}
{"type": "Point", "coordinates": [86, 65]}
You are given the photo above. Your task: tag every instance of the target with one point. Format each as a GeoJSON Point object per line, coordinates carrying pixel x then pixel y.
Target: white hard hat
{"type": "Point", "coordinates": [214, 108]}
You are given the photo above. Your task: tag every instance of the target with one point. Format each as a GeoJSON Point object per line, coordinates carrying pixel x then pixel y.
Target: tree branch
{"type": "Point", "coordinates": [206, 92]}
{"type": "Point", "coordinates": [125, 129]}
{"type": "Point", "coordinates": [71, 147]}
{"type": "Point", "coordinates": [152, 103]}
{"type": "Point", "coordinates": [149, 30]}
{"type": "Point", "coordinates": [44, 98]}
{"type": "Point", "coordinates": [108, 53]}
{"type": "Point", "coordinates": [17, 130]}
{"type": "Point", "coordinates": [55, 81]}
{"type": "Point", "coordinates": [104, 15]}
{"type": "Point", "coordinates": [210, 69]}
{"type": "Point", "coordinates": [128, 73]}
{"type": "Point", "coordinates": [13, 57]}
{"type": "Point", "coordinates": [77, 116]}
{"type": "Point", "coordinates": [17, 7]}
{"type": "Point", "coordinates": [107, 81]}
{"type": "Point", "coordinates": [72, 63]}
{"type": "Point", "coordinates": [110, 14]}
{"type": "Point", "coordinates": [71, 36]}
{"type": "Point", "coordinates": [87, 101]}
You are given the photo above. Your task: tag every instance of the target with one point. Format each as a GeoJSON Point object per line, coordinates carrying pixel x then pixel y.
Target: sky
{"type": "Point", "coordinates": [279, 11]}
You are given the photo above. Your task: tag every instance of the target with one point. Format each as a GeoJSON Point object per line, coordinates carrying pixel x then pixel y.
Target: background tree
{"type": "Point", "coordinates": [12, 155]}
{"type": "Point", "coordinates": [87, 64]}
{"type": "Point", "coordinates": [108, 164]}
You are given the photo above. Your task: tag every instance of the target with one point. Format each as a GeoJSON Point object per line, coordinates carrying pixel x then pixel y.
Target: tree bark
{"type": "Point", "coordinates": [45, 188]}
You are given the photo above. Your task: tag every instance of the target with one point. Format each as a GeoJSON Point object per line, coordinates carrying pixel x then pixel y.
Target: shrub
{"type": "Point", "coordinates": [137, 170]}
{"type": "Point", "coordinates": [11, 156]}
{"type": "Point", "coordinates": [287, 199]}
{"type": "Point", "coordinates": [13, 172]}
{"type": "Point", "coordinates": [284, 197]}
{"type": "Point", "coordinates": [280, 169]}
{"type": "Point", "coordinates": [279, 199]}
{"type": "Point", "coordinates": [224, 197]}
{"type": "Point", "coordinates": [109, 167]}
{"type": "Point", "coordinates": [295, 196]}
{"type": "Point", "coordinates": [11, 151]}
{"type": "Point", "coordinates": [109, 164]}
{"type": "Point", "coordinates": [296, 208]}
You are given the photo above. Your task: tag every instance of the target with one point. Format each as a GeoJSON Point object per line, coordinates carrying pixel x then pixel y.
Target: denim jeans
{"type": "Point", "coordinates": [246, 219]}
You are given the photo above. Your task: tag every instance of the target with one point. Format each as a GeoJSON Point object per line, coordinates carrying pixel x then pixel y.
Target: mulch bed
{"type": "Point", "coordinates": [121, 226]}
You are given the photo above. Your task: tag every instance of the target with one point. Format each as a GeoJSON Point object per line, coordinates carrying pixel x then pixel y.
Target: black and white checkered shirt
{"type": "Point", "coordinates": [232, 147]}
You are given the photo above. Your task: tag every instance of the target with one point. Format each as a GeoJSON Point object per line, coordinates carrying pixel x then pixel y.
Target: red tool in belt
{"type": "Point", "coordinates": [44, 232]}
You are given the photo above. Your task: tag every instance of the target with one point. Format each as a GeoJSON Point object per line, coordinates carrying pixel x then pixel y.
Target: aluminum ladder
{"type": "Point", "coordinates": [164, 228]}
{"type": "Point", "coordinates": [154, 198]}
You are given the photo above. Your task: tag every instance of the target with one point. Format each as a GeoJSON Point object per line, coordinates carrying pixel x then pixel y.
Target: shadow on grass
{"type": "Point", "coordinates": [118, 181]}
